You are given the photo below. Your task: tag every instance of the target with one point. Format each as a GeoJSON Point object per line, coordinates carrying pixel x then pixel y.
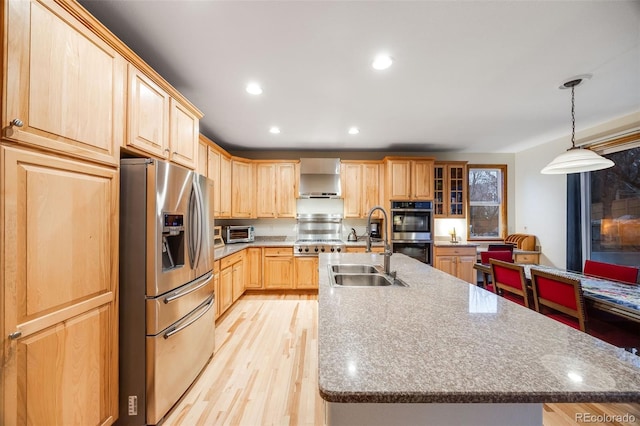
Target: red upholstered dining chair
{"type": "Point", "coordinates": [559, 298]}
{"type": "Point", "coordinates": [485, 256]}
{"type": "Point", "coordinates": [611, 271]}
{"type": "Point", "coordinates": [500, 247]}
{"type": "Point", "coordinates": [510, 282]}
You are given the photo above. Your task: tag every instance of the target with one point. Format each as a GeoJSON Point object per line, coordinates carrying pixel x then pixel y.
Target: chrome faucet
{"type": "Point", "coordinates": [387, 248]}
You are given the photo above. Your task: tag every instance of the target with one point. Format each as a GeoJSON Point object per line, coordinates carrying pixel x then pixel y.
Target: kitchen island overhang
{"type": "Point", "coordinates": [444, 342]}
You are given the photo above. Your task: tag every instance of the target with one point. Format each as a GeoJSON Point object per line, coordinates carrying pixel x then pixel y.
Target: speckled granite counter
{"type": "Point", "coordinates": [229, 249]}
{"type": "Point", "coordinates": [442, 340]}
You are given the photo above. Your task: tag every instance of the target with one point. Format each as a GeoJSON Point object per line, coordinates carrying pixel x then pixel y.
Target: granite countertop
{"type": "Point", "coordinates": [442, 340]}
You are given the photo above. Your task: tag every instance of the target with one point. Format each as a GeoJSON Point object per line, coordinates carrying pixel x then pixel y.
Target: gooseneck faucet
{"type": "Point", "coordinates": [387, 248]}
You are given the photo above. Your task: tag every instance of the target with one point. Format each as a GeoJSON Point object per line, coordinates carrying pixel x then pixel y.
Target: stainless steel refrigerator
{"type": "Point", "coordinates": [166, 286]}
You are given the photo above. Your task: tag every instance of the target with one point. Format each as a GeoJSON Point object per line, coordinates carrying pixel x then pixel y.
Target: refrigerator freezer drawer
{"type": "Point", "coordinates": [175, 357]}
{"type": "Point", "coordinates": [164, 310]}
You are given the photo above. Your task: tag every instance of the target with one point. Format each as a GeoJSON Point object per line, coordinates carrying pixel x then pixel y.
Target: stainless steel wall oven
{"type": "Point", "coordinates": [412, 228]}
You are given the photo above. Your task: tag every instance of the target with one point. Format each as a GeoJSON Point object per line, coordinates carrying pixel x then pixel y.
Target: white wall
{"type": "Point", "coordinates": [541, 200]}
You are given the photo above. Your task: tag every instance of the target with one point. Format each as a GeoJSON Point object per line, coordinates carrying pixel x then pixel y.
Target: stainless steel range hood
{"type": "Point", "coordinates": [320, 178]}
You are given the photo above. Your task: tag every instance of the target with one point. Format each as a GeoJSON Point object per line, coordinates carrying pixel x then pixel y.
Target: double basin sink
{"type": "Point", "coordinates": [361, 275]}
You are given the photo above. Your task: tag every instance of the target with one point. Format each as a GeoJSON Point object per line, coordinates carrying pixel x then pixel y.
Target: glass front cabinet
{"type": "Point", "coordinates": [450, 189]}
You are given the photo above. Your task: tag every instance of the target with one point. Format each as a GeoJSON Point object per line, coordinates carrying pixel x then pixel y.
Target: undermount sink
{"type": "Point", "coordinates": [362, 275]}
{"type": "Point", "coordinates": [354, 269]}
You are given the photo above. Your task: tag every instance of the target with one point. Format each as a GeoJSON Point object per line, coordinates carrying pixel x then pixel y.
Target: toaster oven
{"type": "Point", "coordinates": [238, 234]}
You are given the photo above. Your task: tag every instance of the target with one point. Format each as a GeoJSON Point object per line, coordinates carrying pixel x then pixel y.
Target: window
{"type": "Point", "coordinates": [487, 218]}
{"type": "Point", "coordinates": [613, 200]}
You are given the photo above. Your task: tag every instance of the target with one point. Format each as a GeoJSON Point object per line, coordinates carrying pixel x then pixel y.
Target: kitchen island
{"type": "Point", "coordinates": [442, 351]}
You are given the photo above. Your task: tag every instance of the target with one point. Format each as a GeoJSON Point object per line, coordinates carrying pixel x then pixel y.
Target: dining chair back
{"type": "Point", "coordinates": [559, 298]}
{"type": "Point", "coordinates": [510, 282]}
{"type": "Point", "coordinates": [505, 256]}
{"type": "Point", "coordinates": [500, 247]}
{"type": "Point", "coordinates": [622, 273]}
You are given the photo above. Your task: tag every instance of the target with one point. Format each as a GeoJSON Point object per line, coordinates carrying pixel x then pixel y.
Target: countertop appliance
{"type": "Point", "coordinates": [166, 286]}
{"type": "Point", "coordinates": [320, 178]}
{"type": "Point", "coordinates": [238, 234]}
{"type": "Point", "coordinates": [318, 233]}
{"type": "Point", "coordinates": [411, 228]}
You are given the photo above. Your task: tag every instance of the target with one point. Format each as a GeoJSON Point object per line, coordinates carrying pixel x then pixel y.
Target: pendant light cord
{"type": "Point", "coordinates": [573, 117]}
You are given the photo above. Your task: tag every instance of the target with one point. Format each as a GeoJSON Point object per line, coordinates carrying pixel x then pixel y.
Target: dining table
{"type": "Point", "coordinates": [617, 298]}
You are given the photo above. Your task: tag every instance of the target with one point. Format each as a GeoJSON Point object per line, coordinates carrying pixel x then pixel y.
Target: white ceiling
{"type": "Point", "coordinates": [468, 76]}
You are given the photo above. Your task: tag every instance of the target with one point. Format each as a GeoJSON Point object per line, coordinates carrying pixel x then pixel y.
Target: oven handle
{"type": "Point", "coordinates": [412, 241]}
{"type": "Point", "coordinates": [178, 294]}
{"type": "Point", "coordinates": [411, 210]}
{"type": "Point", "coordinates": [173, 330]}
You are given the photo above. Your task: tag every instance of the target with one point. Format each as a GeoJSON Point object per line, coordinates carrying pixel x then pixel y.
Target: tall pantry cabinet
{"type": "Point", "coordinates": [63, 122]}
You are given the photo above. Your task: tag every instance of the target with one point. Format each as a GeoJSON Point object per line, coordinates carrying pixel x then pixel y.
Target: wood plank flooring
{"type": "Point", "coordinates": [264, 372]}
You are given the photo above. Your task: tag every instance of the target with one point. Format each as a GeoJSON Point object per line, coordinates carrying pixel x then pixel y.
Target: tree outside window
{"type": "Point", "coordinates": [487, 201]}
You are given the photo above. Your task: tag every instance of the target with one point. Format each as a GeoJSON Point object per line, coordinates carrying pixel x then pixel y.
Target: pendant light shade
{"type": "Point", "coordinates": [576, 159]}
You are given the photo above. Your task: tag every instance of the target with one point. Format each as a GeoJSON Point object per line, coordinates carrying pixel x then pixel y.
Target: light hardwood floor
{"type": "Point", "coordinates": [264, 372]}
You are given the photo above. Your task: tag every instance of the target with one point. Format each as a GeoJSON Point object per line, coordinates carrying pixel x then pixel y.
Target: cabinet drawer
{"type": "Point", "coordinates": [526, 258]}
{"type": "Point", "coordinates": [278, 251]}
{"type": "Point", "coordinates": [455, 251]}
{"type": "Point", "coordinates": [230, 260]}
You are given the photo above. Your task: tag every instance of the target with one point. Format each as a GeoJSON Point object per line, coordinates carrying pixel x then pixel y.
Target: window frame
{"type": "Point", "coordinates": [503, 221]}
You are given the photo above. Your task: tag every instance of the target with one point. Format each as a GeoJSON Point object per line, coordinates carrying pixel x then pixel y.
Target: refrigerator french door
{"type": "Point", "coordinates": [166, 286]}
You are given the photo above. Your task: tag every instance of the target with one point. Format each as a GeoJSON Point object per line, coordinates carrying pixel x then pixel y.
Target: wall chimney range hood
{"type": "Point", "coordinates": [320, 178]}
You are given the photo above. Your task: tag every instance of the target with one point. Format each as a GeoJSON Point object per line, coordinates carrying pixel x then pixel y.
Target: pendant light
{"type": "Point", "coordinates": [576, 159]}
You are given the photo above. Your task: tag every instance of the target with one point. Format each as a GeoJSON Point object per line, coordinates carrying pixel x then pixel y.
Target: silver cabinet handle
{"type": "Point", "coordinates": [17, 122]}
{"type": "Point", "coordinates": [15, 335]}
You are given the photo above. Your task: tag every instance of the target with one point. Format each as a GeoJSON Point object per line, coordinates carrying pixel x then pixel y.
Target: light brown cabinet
{"type": "Point", "coordinates": [203, 160]}
{"type": "Point", "coordinates": [276, 188]}
{"type": "Point", "coordinates": [158, 124]}
{"type": "Point", "coordinates": [409, 179]}
{"type": "Point", "coordinates": [219, 170]}
{"type": "Point", "coordinates": [64, 87]}
{"type": "Point", "coordinates": [306, 272]}
{"type": "Point", "coordinates": [361, 188]}
{"type": "Point", "coordinates": [450, 190]}
{"type": "Point", "coordinates": [216, 287]}
{"type": "Point", "coordinates": [278, 268]}
{"type": "Point", "coordinates": [59, 281]}
{"type": "Point", "coordinates": [457, 261]}
{"type": "Point", "coordinates": [226, 289]}
{"type": "Point", "coordinates": [254, 267]}
{"type": "Point", "coordinates": [232, 279]}
{"type": "Point", "coordinates": [242, 189]}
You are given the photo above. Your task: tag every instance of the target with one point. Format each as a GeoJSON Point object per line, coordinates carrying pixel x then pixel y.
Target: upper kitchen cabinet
{"type": "Point", "coordinates": [361, 187]}
{"type": "Point", "coordinates": [409, 178]}
{"type": "Point", "coordinates": [218, 169]}
{"type": "Point", "coordinates": [159, 125]}
{"type": "Point", "coordinates": [242, 188]}
{"type": "Point", "coordinates": [276, 188]}
{"type": "Point", "coordinates": [450, 189]}
{"type": "Point", "coordinates": [65, 86]}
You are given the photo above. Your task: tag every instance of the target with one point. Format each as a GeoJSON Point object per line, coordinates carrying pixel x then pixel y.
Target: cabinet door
{"type": "Point", "coordinates": [457, 187]}
{"type": "Point", "coordinates": [216, 289]}
{"type": "Point", "coordinates": [446, 264]}
{"type": "Point", "coordinates": [225, 187]}
{"type": "Point", "coordinates": [59, 278]}
{"type": "Point", "coordinates": [306, 272]}
{"type": "Point", "coordinates": [213, 173]}
{"type": "Point", "coordinates": [440, 207]}
{"type": "Point", "coordinates": [371, 189]}
{"type": "Point", "coordinates": [352, 189]}
{"type": "Point", "coordinates": [422, 182]}
{"type": "Point", "coordinates": [148, 115]}
{"type": "Point", "coordinates": [242, 197]}
{"type": "Point", "coordinates": [465, 269]}
{"type": "Point", "coordinates": [185, 128]}
{"type": "Point", "coordinates": [203, 160]}
{"type": "Point", "coordinates": [286, 189]}
{"type": "Point", "coordinates": [399, 179]}
{"type": "Point", "coordinates": [278, 272]}
{"type": "Point", "coordinates": [63, 82]}
{"type": "Point", "coordinates": [254, 267]}
{"type": "Point", "coordinates": [226, 288]}
{"type": "Point", "coordinates": [266, 190]}
{"type": "Point", "coordinates": [238, 279]}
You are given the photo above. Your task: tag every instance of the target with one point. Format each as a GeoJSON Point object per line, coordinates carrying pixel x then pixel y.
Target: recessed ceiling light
{"type": "Point", "coordinates": [275, 130]}
{"type": "Point", "coordinates": [354, 131]}
{"type": "Point", "coordinates": [254, 88]}
{"type": "Point", "coordinates": [382, 62]}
